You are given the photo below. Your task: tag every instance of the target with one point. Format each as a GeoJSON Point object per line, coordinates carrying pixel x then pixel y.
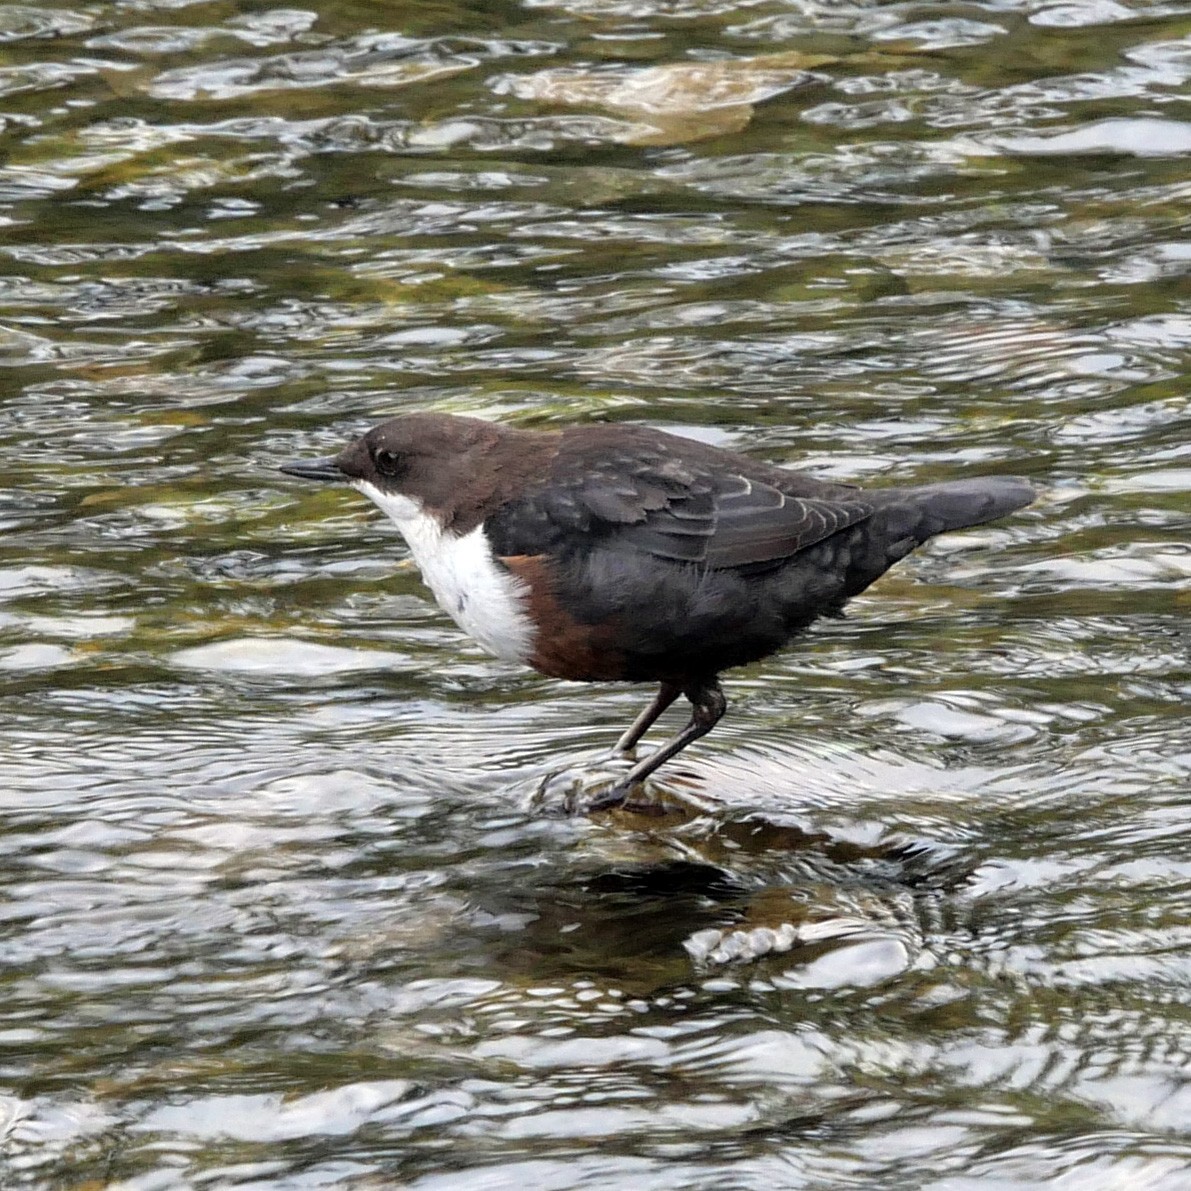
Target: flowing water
{"type": "Point", "coordinates": [287, 899]}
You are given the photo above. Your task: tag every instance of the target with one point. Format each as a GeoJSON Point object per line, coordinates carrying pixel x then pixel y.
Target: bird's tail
{"type": "Point", "coordinates": [904, 518]}
{"type": "Point", "coordinates": [921, 513]}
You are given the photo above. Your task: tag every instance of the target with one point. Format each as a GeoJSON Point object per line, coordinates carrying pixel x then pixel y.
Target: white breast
{"type": "Point", "coordinates": [481, 597]}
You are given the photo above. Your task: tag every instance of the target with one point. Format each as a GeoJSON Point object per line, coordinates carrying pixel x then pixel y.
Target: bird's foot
{"type": "Point", "coordinates": [589, 790]}
{"type": "Point", "coordinates": [608, 799]}
{"type": "Point", "coordinates": [619, 797]}
{"type": "Point", "coordinates": [579, 798]}
{"type": "Point", "coordinates": [580, 790]}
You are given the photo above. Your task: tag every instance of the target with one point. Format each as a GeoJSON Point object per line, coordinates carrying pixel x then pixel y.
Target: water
{"type": "Point", "coordinates": [284, 906]}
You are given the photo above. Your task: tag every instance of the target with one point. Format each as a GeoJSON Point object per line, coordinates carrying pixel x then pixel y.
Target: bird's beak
{"type": "Point", "coordinates": [314, 469]}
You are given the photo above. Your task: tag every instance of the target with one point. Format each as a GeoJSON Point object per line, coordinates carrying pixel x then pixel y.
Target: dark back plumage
{"type": "Point", "coordinates": [694, 552]}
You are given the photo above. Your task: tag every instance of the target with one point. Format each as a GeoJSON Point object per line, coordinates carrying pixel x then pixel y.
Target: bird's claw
{"type": "Point", "coordinates": [608, 799]}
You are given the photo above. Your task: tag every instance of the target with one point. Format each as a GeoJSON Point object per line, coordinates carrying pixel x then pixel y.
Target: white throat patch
{"type": "Point", "coordinates": [484, 600]}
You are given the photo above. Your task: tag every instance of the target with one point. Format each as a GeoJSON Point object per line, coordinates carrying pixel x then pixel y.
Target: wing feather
{"type": "Point", "coordinates": [666, 501]}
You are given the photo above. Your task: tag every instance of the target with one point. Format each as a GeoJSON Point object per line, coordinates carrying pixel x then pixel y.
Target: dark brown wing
{"type": "Point", "coordinates": [679, 501]}
{"type": "Point", "coordinates": [758, 523]}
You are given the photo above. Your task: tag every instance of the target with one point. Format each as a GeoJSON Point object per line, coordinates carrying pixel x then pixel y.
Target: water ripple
{"type": "Point", "coordinates": [289, 899]}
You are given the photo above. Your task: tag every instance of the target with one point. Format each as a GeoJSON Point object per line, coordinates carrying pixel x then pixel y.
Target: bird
{"type": "Point", "coordinates": [617, 552]}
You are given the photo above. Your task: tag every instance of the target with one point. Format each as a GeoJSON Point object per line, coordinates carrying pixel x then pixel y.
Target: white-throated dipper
{"type": "Point", "coordinates": [609, 553]}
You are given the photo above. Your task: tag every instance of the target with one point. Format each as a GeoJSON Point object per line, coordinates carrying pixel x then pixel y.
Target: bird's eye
{"type": "Point", "coordinates": [388, 463]}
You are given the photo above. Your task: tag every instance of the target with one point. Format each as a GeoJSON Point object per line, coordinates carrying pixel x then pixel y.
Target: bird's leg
{"type": "Point", "coordinates": [666, 695]}
{"type": "Point", "coordinates": [707, 709]}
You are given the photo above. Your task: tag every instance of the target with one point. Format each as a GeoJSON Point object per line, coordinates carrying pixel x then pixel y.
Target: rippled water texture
{"type": "Point", "coordinates": [286, 901]}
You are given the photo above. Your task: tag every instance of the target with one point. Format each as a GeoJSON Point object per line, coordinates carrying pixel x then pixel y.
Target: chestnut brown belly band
{"type": "Point", "coordinates": [563, 646]}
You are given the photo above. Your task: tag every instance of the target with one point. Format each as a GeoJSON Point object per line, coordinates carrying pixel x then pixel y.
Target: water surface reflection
{"type": "Point", "coordinates": [285, 905]}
